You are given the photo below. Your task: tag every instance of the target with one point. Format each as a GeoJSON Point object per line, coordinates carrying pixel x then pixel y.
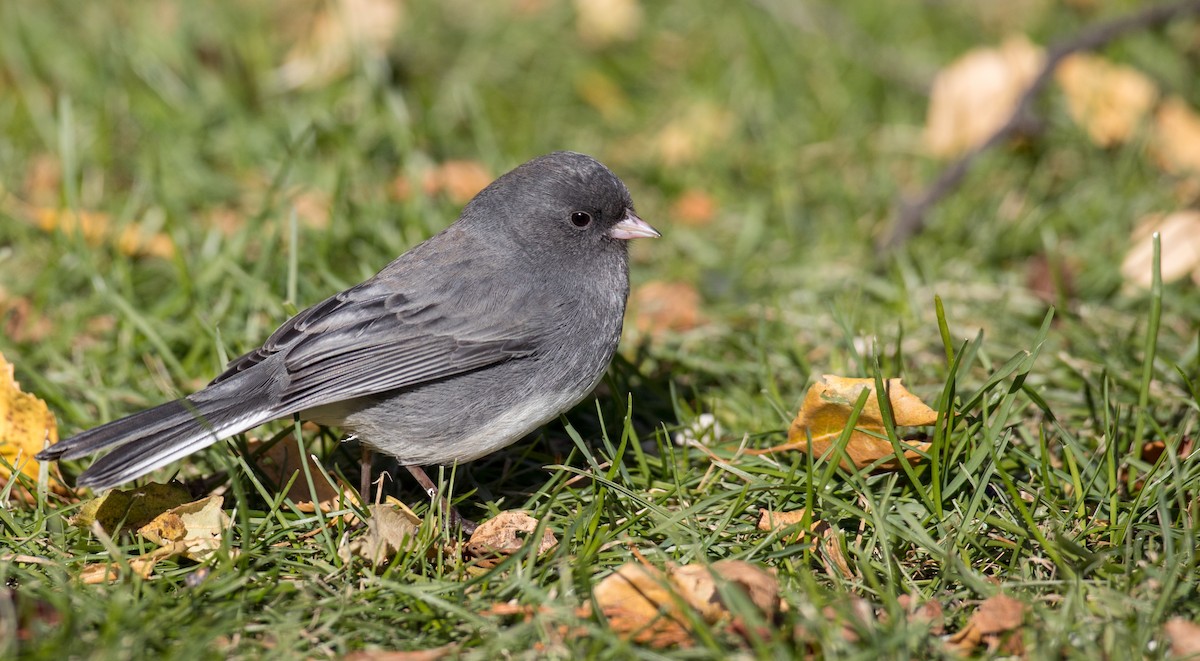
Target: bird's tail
{"type": "Point", "coordinates": [155, 437]}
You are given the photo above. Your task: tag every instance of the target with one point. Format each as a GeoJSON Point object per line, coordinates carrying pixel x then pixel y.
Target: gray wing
{"type": "Point", "coordinates": [399, 329]}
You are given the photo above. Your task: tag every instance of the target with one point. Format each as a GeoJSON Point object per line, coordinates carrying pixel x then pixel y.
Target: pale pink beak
{"type": "Point", "coordinates": [632, 227]}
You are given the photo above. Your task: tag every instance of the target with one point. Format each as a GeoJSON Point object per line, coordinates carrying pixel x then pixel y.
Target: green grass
{"type": "Point", "coordinates": [164, 116]}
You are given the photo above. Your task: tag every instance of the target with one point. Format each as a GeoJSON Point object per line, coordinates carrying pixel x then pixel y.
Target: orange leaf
{"type": "Point", "coordinates": [695, 208]}
{"type": "Point", "coordinates": [638, 604]}
{"type": "Point", "coordinates": [990, 624]}
{"type": "Point", "coordinates": [96, 228]}
{"type": "Point", "coordinates": [1180, 234]}
{"type": "Point", "coordinates": [826, 411]}
{"type": "Point", "coordinates": [661, 307]}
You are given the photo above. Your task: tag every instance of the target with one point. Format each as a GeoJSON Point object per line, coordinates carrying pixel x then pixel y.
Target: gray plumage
{"type": "Point", "coordinates": [459, 347]}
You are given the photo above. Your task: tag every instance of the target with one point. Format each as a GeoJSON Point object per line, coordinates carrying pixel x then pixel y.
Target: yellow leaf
{"type": "Point", "coordinates": [602, 22]}
{"type": "Point", "coordinates": [26, 425]}
{"type": "Point", "coordinates": [977, 93]}
{"type": "Point", "coordinates": [193, 530]}
{"type": "Point", "coordinates": [826, 411]}
{"type": "Point", "coordinates": [131, 508]}
{"type": "Point", "coordinates": [1108, 100]}
{"type": "Point", "coordinates": [390, 530]}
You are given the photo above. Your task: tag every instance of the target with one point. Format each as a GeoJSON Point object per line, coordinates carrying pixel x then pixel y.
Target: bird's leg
{"type": "Point", "coordinates": [364, 480]}
{"type": "Point", "coordinates": [455, 519]}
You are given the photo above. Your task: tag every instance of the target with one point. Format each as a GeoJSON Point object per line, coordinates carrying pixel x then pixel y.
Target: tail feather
{"type": "Point", "coordinates": [155, 437]}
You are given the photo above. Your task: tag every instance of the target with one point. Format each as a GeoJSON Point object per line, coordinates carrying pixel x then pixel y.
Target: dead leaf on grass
{"type": "Point", "coordinates": [826, 411]}
{"type": "Point", "coordinates": [1176, 140]}
{"type": "Point", "coordinates": [1180, 238]}
{"type": "Point", "coordinates": [662, 307]}
{"type": "Point", "coordinates": [193, 530]}
{"type": "Point", "coordinates": [647, 605]}
{"type": "Point", "coordinates": [26, 426]}
{"type": "Point", "coordinates": [1184, 636]}
{"type": "Point", "coordinates": [504, 535]}
{"type": "Point", "coordinates": [130, 508]}
{"type": "Point", "coordinates": [975, 95]}
{"type": "Point", "coordinates": [283, 459]}
{"type": "Point", "coordinates": [97, 228]}
{"type": "Point", "coordinates": [342, 30]}
{"type": "Point", "coordinates": [603, 22]}
{"type": "Point", "coordinates": [694, 208]}
{"type": "Point", "coordinates": [1110, 101]}
{"type": "Point", "coordinates": [390, 530]}
{"type": "Point", "coordinates": [994, 624]}
{"type": "Point", "coordinates": [446, 651]}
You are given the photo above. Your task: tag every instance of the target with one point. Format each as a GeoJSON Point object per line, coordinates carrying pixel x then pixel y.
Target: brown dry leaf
{"type": "Point", "coordinates": [1184, 636]}
{"type": "Point", "coordinates": [694, 208]}
{"type": "Point", "coordinates": [458, 180]}
{"type": "Point", "coordinates": [975, 95]}
{"type": "Point", "coordinates": [826, 410]}
{"type": "Point", "coordinates": [928, 612]}
{"type": "Point", "coordinates": [21, 319]}
{"type": "Point", "coordinates": [504, 535]}
{"type": "Point", "coordinates": [997, 616]}
{"type": "Point", "coordinates": [697, 584]}
{"type": "Point", "coordinates": [108, 572]}
{"type": "Point", "coordinates": [26, 425]}
{"type": "Point", "coordinates": [342, 30]}
{"type": "Point", "coordinates": [1176, 141]}
{"type": "Point", "coordinates": [638, 604]}
{"type": "Point", "coordinates": [279, 462]}
{"type": "Point", "coordinates": [661, 307]}
{"type": "Point", "coordinates": [769, 520]}
{"type": "Point", "coordinates": [831, 551]}
{"type": "Point", "coordinates": [446, 651]}
{"type": "Point", "coordinates": [1109, 100]}
{"type": "Point", "coordinates": [312, 208]}
{"type": "Point", "coordinates": [193, 530]}
{"type": "Point", "coordinates": [130, 508]}
{"type": "Point", "coordinates": [603, 22]}
{"type": "Point", "coordinates": [390, 530]}
{"type": "Point", "coordinates": [96, 228]}
{"type": "Point", "coordinates": [1180, 232]}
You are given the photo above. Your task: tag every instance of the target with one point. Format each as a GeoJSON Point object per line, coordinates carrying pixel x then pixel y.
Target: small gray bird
{"type": "Point", "coordinates": [459, 347]}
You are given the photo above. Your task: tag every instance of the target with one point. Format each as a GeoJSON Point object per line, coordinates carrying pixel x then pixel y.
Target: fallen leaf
{"type": "Point", "coordinates": [928, 613]}
{"type": "Point", "coordinates": [694, 208]}
{"type": "Point", "coordinates": [390, 530]}
{"type": "Point", "coordinates": [193, 530]}
{"type": "Point", "coordinates": [602, 92]}
{"type": "Point", "coordinates": [504, 535]}
{"type": "Point", "coordinates": [43, 181]}
{"type": "Point", "coordinates": [602, 22]}
{"type": "Point", "coordinates": [976, 94]}
{"type": "Point", "coordinates": [22, 321]}
{"type": "Point", "coordinates": [458, 180]}
{"type": "Point", "coordinates": [26, 425]}
{"type": "Point", "coordinates": [1184, 636]}
{"type": "Point", "coordinates": [107, 572]}
{"type": "Point", "coordinates": [826, 411]}
{"type": "Point", "coordinates": [1176, 139]}
{"type": "Point", "coordinates": [130, 508]}
{"type": "Point", "coordinates": [342, 30]}
{"type": "Point", "coordinates": [661, 307]}
{"type": "Point", "coordinates": [693, 134]}
{"type": "Point", "coordinates": [96, 228]}
{"type": "Point", "coordinates": [639, 605]}
{"type": "Point", "coordinates": [449, 650]}
{"type": "Point", "coordinates": [996, 617]}
{"type": "Point", "coordinates": [769, 520]}
{"type": "Point", "coordinates": [1180, 234]}
{"type": "Point", "coordinates": [697, 584]}
{"type": "Point", "coordinates": [279, 461]}
{"type": "Point", "coordinates": [1108, 100]}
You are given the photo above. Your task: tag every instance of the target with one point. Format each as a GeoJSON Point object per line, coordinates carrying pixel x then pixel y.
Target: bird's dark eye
{"type": "Point", "coordinates": [581, 219]}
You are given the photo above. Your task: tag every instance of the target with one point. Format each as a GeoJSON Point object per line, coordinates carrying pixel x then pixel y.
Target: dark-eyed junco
{"type": "Point", "coordinates": [459, 347]}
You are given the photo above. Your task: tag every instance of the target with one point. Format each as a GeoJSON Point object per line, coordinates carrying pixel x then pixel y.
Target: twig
{"type": "Point", "coordinates": [912, 212]}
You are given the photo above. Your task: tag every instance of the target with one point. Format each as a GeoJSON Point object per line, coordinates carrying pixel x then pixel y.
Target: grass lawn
{"type": "Point", "coordinates": [232, 163]}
